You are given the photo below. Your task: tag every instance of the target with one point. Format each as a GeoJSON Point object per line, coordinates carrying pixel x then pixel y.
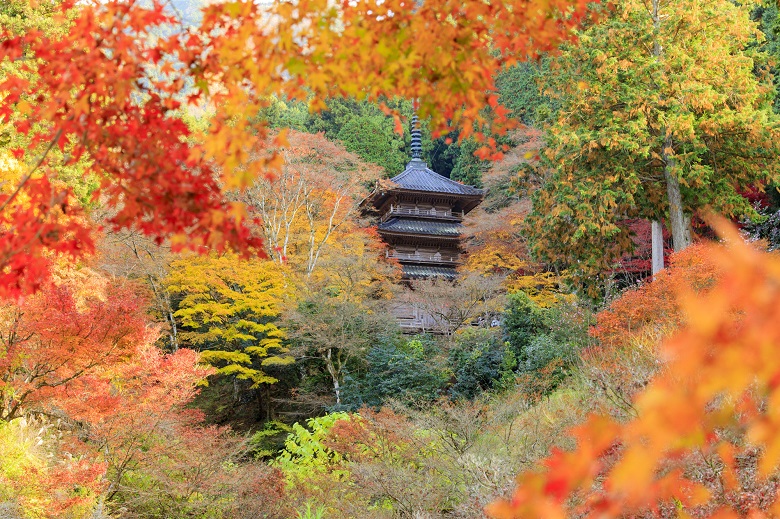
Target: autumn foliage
{"type": "Point", "coordinates": [91, 411]}
{"type": "Point", "coordinates": [662, 112]}
{"type": "Point", "coordinates": [704, 440]}
{"type": "Point", "coordinates": [109, 90]}
{"type": "Point", "coordinates": [656, 304]}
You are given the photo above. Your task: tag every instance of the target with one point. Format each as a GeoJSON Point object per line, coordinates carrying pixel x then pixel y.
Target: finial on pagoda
{"type": "Point", "coordinates": [416, 139]}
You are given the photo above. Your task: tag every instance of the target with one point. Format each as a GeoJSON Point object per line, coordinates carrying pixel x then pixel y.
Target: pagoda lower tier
{"type": "Point", "coordinates": [424, 248]}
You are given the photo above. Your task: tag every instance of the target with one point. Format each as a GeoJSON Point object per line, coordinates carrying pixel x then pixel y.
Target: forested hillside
{"type": "Point", "coordinates": [227, 252]}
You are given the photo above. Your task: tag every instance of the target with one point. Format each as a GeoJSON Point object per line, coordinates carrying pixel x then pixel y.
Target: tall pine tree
{"type": "Point", "coordinates": [664, 110]}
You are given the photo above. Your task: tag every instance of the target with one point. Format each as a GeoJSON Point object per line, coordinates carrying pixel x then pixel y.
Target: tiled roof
{"type": "Point", "coordinates": [434, 228]}
{"type": "Point", "coordinates": [424, 272]}
{"type": "Point", "coordinates": [417, 177]}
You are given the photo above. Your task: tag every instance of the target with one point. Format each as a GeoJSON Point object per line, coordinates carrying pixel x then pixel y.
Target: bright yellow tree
{"type": "Point", "coordinates": [228, 310]}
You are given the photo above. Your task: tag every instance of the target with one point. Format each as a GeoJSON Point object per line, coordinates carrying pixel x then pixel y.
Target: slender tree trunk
{"type": "Point", "coordinates": [337, 389]}
{"type": "Point", "coordinates": [657, 235]}
{"type": "Point", "coordinates": [260, 405]}
{"type": "Point", "coordinates": [334, 375]}
{"type": "Point", "coordinates": [263, 395]}
{"type": "Point", "coordinates": [678, 220]}
{"type": "Point", "coordinates": [174, 335]}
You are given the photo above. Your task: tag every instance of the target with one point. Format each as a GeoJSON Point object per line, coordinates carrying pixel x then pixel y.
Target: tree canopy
{"type": "Point", "coordinates": [664, 109]}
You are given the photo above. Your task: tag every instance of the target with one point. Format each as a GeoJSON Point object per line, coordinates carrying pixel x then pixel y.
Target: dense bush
{"type": "Point", "coordinates": [543, 337]}
{"type": "Point", "coordinates": [403, 369]}
{"type": "Point", "coordinates": [522, 322]}
{"type": "Point", "coordinates": [479, 361]}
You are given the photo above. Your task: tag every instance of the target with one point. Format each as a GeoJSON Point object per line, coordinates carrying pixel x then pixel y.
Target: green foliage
{"type": "Point", "coordinates": [360, 126]}
{"type": "Point", "coordinates": [372, 138]}
{"type": "Point", "coordinates": [311, 513]}
{"type": "Point", "coordinates": [566, 334]}
{"type": "Point", "coordinates": [270, 440]}
{"type": "Point", "coordinates": [365, 130]}
{"type": "Point", "coordinates": [769, 22]}
{"type": "Point", "coordinates": [523, 320]}
{"type": "Point", "coordinates": [332, 335]}
{"type": "Point", "coordinates": [403, 370]}
{"type": "Point", "coordinates": [468, 168]}
{"type": "Point", "coordinates": [305, 454]}
{"type": "Point", "coordinates": [520, 88]}
{"type": "Point", "coordinates": [543, 339]}
{"type": "Point", "coordinates": [480, 361]}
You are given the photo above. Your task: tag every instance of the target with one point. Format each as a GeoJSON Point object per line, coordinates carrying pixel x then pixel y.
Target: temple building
{"type": "Point", "coordinates": [420, 219]}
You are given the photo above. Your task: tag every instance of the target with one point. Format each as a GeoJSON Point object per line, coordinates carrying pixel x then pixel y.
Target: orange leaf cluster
{"type": "Point", "coordinates": [716, 399]}
{"type": "Point", "coordinates": [656, 304]}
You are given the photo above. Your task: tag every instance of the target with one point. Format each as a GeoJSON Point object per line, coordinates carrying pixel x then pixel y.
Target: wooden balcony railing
{"type": "Point", "coordinates": [414, 211]}
{"type": "Point", "coordinates": [424, 256]}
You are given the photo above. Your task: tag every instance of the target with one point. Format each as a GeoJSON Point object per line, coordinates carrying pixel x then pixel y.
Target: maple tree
{"type": "Point", "coordinates": [664, 109]}
{"type": "Point", "coordinates": [108, 86]}
{"type": "Point", "coordinates": [58, 341]}
{"type": "Point", "coordinates": [312, 202]}
{"type": "Point", "coordinates": [655, 304]}
{"type": "Point", "coordinates": [625, 355]}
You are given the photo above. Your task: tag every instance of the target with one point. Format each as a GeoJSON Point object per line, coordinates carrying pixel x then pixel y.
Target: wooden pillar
{"type": "Point", "coordinates": [657, 245]}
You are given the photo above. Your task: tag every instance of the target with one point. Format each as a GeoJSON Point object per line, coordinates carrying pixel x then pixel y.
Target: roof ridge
{"type": "Point", "coordinates": [420, 167]}
{"type": "Point", "coordinates": [401, 174]}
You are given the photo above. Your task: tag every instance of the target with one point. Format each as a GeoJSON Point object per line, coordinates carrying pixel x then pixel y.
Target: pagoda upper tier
{"type": "Point", "coordinates": [421, 214]}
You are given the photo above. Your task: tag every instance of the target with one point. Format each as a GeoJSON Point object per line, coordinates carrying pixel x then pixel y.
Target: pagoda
{"type": "Point", "coordinates": [420, 219]}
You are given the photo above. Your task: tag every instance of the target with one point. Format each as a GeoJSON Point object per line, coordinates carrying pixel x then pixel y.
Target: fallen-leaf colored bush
{"type": "Point", "coordinates": [705, 441]}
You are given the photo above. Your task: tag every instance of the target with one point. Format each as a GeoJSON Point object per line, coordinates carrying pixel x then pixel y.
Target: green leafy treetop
{"type": "Point", "coordinates": [661, 114]}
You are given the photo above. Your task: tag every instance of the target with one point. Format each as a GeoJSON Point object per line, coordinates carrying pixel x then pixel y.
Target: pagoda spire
{"type": "Point", "coordinates": [416, 139]}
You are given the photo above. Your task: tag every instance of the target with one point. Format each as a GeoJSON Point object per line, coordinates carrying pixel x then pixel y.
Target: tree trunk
{"type": "Point", "coordinates": [678, 220]}
{"type": "Point", "coordinates": [263, 395]}
{"type": "Point", "coordinates": [657, 246]}
{"type": "Point", "coordinates": [174, 335]}
{"type": "Point", "coordinates": [334, 375]}
{"type": "Point", "coordinates": [337, 389]}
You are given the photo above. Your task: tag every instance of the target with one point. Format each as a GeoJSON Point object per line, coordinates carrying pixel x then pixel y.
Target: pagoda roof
{"type": "Point", "coordinates": [413, 226]}
{"type": "Point", "coordinates": [418, 177]}
{"type": "Point", "coordinates": [418, 181]}
{"type": "Point", "coordinates": [425, 272]}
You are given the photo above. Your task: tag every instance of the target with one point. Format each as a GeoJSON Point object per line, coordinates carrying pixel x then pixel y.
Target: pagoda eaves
{"type": "Point", "coordinates": [421, 214]}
